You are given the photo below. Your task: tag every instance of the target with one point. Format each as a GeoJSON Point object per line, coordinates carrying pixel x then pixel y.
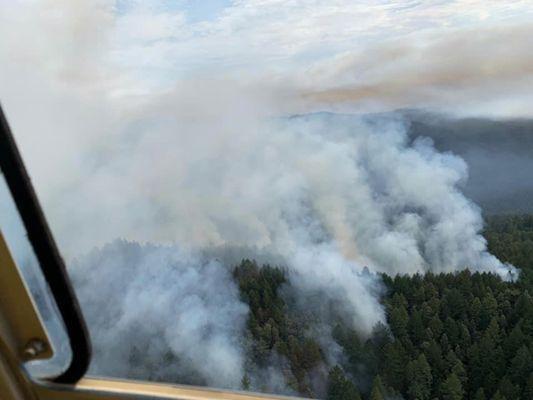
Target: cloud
{"type": "Point", "coordinates": [141, 47]}
{"type": "Point", "coordinates": [480, 70]}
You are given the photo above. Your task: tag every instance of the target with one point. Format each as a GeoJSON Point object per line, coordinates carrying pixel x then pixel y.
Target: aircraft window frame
{"type": "Point", "coordinates": [47, 253]}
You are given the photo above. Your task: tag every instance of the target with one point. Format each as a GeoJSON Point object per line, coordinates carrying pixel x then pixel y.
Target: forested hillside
{"type": "Point", "coordinates": [510, 238]}
{"type": "Point", "coordinates": [449, 336]}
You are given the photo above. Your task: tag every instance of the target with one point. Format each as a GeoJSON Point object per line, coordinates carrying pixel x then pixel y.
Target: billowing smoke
{"type": "Point", "coordinates": [206, 167]}
{"type": "Point", "coordinates": [161, 313]}
{"type": "Point", "coordinates": [326, 195]}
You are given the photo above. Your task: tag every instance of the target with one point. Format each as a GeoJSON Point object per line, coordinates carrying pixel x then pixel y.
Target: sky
{"type": "Point", "coordinates": [320, 51]}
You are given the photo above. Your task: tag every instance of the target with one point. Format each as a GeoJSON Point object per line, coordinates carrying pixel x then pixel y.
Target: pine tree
{"type": "Point", "coordinates": [475, 311]}
{"type": "Point", "coordinates": [419, 379]}
{"type": "Point", "coordinates": [378, 390]}
{"type": "Point", "coordinates": [514, 341]}
{"type": "Point", "coordinates": [524, 308]}
{"type": "Point", "coordinates": [416, 327]}
{"type": "Point", "coordinates": [436, 326]}
{"type": "Point", "coordinates": [489, 308]}
{"type": "Point", "coordinates": [399, 318]}
{"type": "Point", "coordinates": [395, 362]}
{"type": "Point", "coordinates": [456, 366]}
{"type": "Point", "coordinates": [454, 304]}
{"type": "Point", "coordinates": [339, 387]}
{"type": "Point", "coordinates": [521, 366]}
{"type": "Point", "coordinates": [245, 382]}
{"type": "Point", "coordinates": [451, 388]}
{"type": "Point", "coordinates": [434, 356]}
{"type": "Point", "coordinates": [465, 340]}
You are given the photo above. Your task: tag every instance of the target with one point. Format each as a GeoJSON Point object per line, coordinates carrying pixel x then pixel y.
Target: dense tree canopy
{"type": "Point", "coordinates": [448, 336]}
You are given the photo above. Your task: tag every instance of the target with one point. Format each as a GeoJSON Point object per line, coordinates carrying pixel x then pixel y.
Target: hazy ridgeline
{"type": "Point", "coordinates": [321, 195]}
{"type": "Point", "coordinates": [499, 155]}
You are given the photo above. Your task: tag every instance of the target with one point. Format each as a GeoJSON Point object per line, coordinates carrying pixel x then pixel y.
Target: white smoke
{"type": "Point", "coordinates": [328, 195]}
{"type": "Point", "coordinates": [209, 163]}
{"type": "Point", "coordinates": [161, 313]}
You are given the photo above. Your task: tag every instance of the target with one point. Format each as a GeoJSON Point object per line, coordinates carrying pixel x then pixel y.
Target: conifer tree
{"type": "Point", "coordinates": [451, 388]}
{"type": "Point", "coordinates": [419, 379]}
{"type": "Point", "coordinates": [378, 390]}
{"type": "Point", "coordinates": [339, 387]}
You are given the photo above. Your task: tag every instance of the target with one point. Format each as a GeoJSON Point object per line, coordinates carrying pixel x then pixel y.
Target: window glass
{"type": "Point", "coordinates": [327, 199]}
{"type": "Point", "coordinates": [15, 236]}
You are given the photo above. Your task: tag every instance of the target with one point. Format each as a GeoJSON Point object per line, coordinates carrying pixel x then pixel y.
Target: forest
{"type": "Point", "coordinates": [449, 336]}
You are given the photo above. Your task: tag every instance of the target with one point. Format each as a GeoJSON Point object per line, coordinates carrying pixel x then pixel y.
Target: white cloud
{"type": "Point", "coordinates": [276, 34]}
{"type": "Point", "coordinates": [153, 44]}
{"type": "Point", "coordinates": [484, 71]}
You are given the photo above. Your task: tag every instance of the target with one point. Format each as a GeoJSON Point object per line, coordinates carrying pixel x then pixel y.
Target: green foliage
{"type": "Point", "coordinates": [245, 382]}
{"type": "Point", "coordinates": [418, 375]}
{"type": "Point", "coordinates": [451, 388]}
{"type": "Point", "coordinates": [273, 329]}
{"type": "Point", "coordinates": [474, 330]}
{"type": "Point", "coordinates": [378, 390]}
{"type": "Point", "coordinates": [340, 387]}
{"type": "Point", "coordinates": [510, 238]}
{"type": "Point", "coordinates": [448, 336]}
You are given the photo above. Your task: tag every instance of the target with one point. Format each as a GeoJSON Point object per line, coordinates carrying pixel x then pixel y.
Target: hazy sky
{"type": "Point", "coordinates": [336, 53]}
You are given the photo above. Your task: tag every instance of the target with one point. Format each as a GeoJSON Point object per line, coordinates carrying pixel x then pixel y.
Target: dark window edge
{"type": "Point", "coordinates": [47, 254]}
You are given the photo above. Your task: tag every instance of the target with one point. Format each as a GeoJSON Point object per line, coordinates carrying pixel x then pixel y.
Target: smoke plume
{"type": "Point", "coordinates": [325, 195]}
{"type": "Point", "coordinates": [161, 313]}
